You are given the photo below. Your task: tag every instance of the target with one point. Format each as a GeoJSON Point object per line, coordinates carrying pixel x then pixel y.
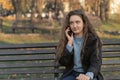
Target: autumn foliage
{"type": "Point", "coordinates": [6, 4]}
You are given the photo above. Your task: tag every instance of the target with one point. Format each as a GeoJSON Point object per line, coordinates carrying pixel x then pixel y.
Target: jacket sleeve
{"type": "Point", "coordinates": [66, 58]}
{"type": "Point", "coordinates": [96, 59]}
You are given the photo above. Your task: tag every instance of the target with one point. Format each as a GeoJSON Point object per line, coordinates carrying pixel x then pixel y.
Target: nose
{"type": "Point", "coordinates": [74, 24]}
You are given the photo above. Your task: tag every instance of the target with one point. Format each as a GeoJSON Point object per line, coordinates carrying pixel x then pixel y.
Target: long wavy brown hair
{"type": "Point", "coordinates": [88, 28]}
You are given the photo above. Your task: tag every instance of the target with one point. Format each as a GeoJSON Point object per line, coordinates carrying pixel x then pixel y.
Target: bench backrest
{"type": "Point", "coordinates": [111, 60]}
{"type": "Point", "coordinates": [36, 61]}
{"type": "Point", "coordinates": [27, 61]}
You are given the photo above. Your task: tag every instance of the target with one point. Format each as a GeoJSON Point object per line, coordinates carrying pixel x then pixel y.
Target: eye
{"type": "Point", "coordinates": [77, 22]}
{"type": "Point", "coordinates": [71, 23]}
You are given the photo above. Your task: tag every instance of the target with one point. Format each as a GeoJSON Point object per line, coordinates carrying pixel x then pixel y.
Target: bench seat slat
{"type": "Point", "coordinates": [49, 78]}
{"type": "Point", "coordinates": [107, 69]}
{"type": "Point", "coordinates": [112, 77]}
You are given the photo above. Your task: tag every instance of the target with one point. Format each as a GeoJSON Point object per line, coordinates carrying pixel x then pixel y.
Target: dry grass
{"type": "Point", "coordinates": [108, 36]}
{"type": "Point", "coordinates": [24, 38]}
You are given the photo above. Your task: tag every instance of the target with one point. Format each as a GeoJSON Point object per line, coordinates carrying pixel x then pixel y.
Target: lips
{"type": "Point", "coordinates": [74, 29]}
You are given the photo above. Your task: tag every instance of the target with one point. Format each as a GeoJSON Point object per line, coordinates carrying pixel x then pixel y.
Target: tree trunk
{"type": "Point", "coordinates": [17, 9]}
{"type": "Point", "coordinates": [32, 10]}
{"type": "Point", "coordinates": [107, 10]}
{"type": "Point", "coordinates": [104, 9]}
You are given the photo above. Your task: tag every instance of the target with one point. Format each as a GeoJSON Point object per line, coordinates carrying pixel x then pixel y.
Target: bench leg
{"type": "Point", "coordinates": [1, 28]}
{"type": "Point", "coordinates": [33, 30]}
{"type": "Point", "coordinates": [13, 30]}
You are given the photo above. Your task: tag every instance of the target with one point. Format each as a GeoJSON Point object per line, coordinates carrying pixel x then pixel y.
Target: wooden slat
{"type": "Point", "coordinates": [104, 69]}
{"type": "Point", "coordinates": [27, 65]}
{"type": "Point", "coordinates": [30, 71]}
{"type": "Point", "coordinates": [26, 58]}
{"type": "Point", "coordinates": [48, 51]}
{"type": "Point", "coordinates": [111, 69]}
{"type": "Point", "coordinates": [48, 78]}
{"type": "Point", "coordinates": [111, 42]}
{"type": "Point", "coordinates": [111, 50]}
{"type": "Point", "coordinates": [111, 62]}
{"type": "Point", "coordinates": [45, 45]}
{"type": "Point", "coordinates": [111, 55]}
{"type": "Point", "coordinates": [112, 77]}
{"type": "Point", "coordinates": [26, 52]}
{"type": "Point", "coordinates": [35, 45]}
{"type": "Point", "coordinates": [107, 69]}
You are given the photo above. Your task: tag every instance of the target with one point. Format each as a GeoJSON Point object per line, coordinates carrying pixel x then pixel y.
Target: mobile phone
{"type": "Point", "coordinates": [70, 32]}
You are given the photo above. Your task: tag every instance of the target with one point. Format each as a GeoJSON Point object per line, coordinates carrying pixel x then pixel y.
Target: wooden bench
{"type": "Point", "coordinates": [23, 25]}
{"type": "Point", "coordinates": [42, 25]}
{"type": "Point", "coordinates": [36, 61]}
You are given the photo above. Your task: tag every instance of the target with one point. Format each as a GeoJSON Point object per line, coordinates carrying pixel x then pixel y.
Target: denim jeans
{"type": "Point", "coordinates": [73, 76]}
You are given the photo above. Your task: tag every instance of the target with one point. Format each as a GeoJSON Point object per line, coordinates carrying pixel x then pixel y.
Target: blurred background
{"type": "Point", "coordinates": [34, 21]}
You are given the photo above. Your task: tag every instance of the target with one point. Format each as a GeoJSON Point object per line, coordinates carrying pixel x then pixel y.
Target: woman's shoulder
{"type": "Point", "coordinates": [92, 39]}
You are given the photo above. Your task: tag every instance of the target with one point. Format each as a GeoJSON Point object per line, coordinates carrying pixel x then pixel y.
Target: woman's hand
{"type": "Point", "coordinates": [69, 37]}
{"type": "Point", "coordinates": [83, 77]}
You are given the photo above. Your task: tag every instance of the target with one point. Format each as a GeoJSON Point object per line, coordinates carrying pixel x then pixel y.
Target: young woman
{"type": "Point", "coordinates": [79, 49]}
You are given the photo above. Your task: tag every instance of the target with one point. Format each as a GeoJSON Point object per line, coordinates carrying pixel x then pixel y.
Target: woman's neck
{"type": "Point", "coordinates": [78, 35]}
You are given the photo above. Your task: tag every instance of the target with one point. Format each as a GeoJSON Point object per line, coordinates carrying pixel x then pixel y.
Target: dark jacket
{"type": "Point", "coordinates": [91, 59]}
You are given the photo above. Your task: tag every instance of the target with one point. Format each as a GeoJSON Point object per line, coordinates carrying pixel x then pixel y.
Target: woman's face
{"type": "Point", "coordinates": [76, 25]}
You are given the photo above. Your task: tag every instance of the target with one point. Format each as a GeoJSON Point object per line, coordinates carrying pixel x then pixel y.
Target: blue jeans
{"type": "Point", "coordinates": [72, 76]}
